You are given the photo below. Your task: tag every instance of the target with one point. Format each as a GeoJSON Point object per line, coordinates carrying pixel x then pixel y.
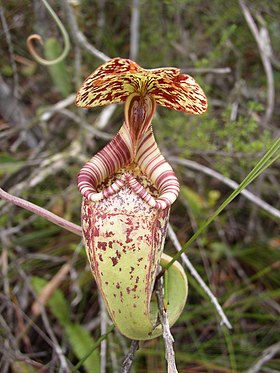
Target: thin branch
{"type": "Point", "coordinates": [48, 290]}
{"type": "Point", "coordinates": [167, 336]}
{"type": "Point", "coordinates": [14, 112]}
{"type": "Point", "coordinates": [208, 171]}
{"type": "Point", "coordinates": [15, 306]}
{"type": "Point", "coordinates": [195, 274]}
{"type": "Point", "coordinates": [11, 50]}
{"type": "Point", "coordinates": [62, 104]}
{"type": "Point", "coordinates": [127, 363]}
{"type": "Point", "coordinates": [104, 117]}
{"type": "Point", "coordinates": [262, 42]}
{"type": "Point", "coordinates": [87, 126]}
{"type": "Point", "coordinates": [101, 121]}
{"type": "Point", "coordinates": [114, 364]}
{"type": "Point", "coordinates": [267, 355]}
{"type": "Point", "coordinates": [74, 228]}
{"type": "Point", "coordinates": [4, 267]}
{"type": "Point", "coordinates": [49, 166]}
{"type": "Point", "coordinates": [206, 70]}
{"type": "Point", "coordinates": [103, 328]}
{"type": "Point", "coordinates": [134, 30]}
{"type": "Point", "coordinates": [78, 36]}
{"type": "Point", "coordinates": [55, 344]}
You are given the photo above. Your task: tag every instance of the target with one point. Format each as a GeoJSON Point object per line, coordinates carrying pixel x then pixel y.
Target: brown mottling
{"type": "Point", "coordinates": [95, 231]}
{"type": "Point", "coordinates": [128, 231]}
{"type": "Point", "coordinates": [109, 234]}
{"type": "Point", "coordinates": [102, 245]}
{"type": "Point", "coordinates": [114, 260]}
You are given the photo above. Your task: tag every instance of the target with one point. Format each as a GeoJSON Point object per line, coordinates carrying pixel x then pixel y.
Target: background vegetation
{"type": "Point", "coordinates": [44, 146]}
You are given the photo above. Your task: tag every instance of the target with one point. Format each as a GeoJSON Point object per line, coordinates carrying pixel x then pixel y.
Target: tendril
{"type": "Point", "coordinates": [36, 37]}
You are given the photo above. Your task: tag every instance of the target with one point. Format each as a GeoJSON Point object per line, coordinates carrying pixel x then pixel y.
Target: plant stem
{"type": "Point", "coordinates": [74, 228]}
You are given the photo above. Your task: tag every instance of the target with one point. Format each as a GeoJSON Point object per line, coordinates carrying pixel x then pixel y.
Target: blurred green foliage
{"type": "Point", "coordinates": [58, 72]}
{"type": "Point", "coordinates": [78, 337]}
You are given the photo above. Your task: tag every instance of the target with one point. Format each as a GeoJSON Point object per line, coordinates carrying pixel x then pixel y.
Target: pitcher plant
{"type": "Point", "coordinates": [128, 188]}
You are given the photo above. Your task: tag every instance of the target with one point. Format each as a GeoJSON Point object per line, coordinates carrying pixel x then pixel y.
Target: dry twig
{"type": "Point", "coordinates": [195, 274]}
{"type": "Point", "coordinates": [267, 355]}
{"type": "Point", "coordinates": [74, 228]}
{"type": "Point", "coordinates": [103, 328]}
{"type": "Point", "coordinates": [208, 171]}
{"type": "Point", "coordinates": [90, 129]}
{"type": "Point", "coordinates": [206, 70]}
{"type": "Point", "coordinates": [64, 368]}
{"type": "Point", "coordinates": [167, 336]}
{"type": "Point", "coordinates": [134, 30]}
{"type": "Point", "coordinates": [49, 289]}
{"type": "Point", "coordinates": [263, 42]}
{"type": "Point", "coordinates": [11, 51]}
{"type": "Point", "coordinates": [14, 114]}
{"type": "Point", "coordinates": [127, 363]}
{"type": "Point", "coordinates": [78, 36]}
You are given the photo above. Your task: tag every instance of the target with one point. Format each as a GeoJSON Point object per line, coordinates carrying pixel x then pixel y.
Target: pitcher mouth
{"type": "Point", "coordinates": [127, 179]}
{"type": "Point", "coordinates": [159, 187]}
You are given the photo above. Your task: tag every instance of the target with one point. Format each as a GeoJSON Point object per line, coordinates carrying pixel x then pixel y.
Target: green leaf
{"type": "Point", "coordinates": [194, 201]}
{"type": "Point", "coordinates": [58, 72]}
{"type": "Point", "coordinates": [9, 164]}
{"type": "Point", "coordinates": [23, 367]}
{"type": "Point", "coordinates": [81, 341]}
{"type": "Point", "coordinates": [57, 303]}
{"type": "Point", "coordinates": [32, 237]}
{"type": "Point", "coordinates": [78, 337]}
